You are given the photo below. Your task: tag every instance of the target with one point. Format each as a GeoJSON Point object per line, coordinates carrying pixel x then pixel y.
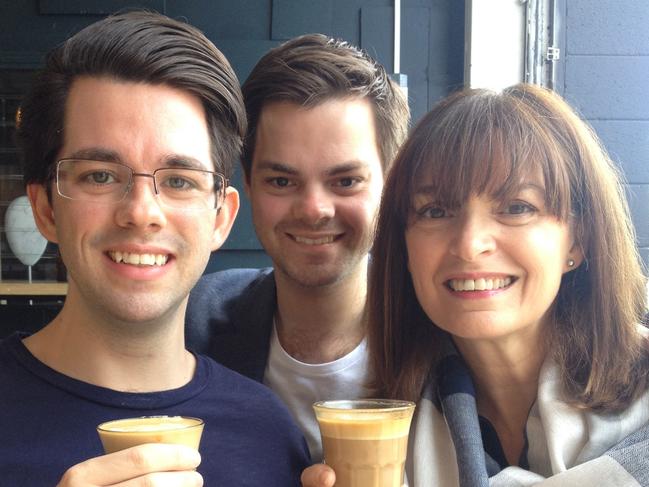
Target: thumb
{"type": "Point", "coordinates": [318, 475]}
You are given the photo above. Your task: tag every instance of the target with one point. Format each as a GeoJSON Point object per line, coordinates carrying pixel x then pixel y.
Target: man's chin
{"type": "Point", "coordinates": [315, 276]}
{"type": "Point", "coordinates": [139, 313]}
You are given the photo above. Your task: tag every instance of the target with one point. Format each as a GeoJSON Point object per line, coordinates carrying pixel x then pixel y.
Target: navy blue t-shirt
{"type": "Point", "coordinates": [48, 423]}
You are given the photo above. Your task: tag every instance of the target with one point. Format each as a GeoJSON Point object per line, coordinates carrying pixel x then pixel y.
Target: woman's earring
{"type": "Point", "coordinates": [571, 263]}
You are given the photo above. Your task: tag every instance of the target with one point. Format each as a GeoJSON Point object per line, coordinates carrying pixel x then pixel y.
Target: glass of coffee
{"type": "Point", "coordinates": [124, 433]}
{"type": "Point", "coordinates": [365, 440]}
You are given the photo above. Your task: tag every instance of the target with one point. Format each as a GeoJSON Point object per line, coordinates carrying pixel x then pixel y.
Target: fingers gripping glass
{"type": "Point", "coordinates": [110, 182]}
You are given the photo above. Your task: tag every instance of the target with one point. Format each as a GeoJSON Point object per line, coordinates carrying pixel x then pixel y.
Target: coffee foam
{"type": "Point", "coordinates": [154, 423]}
{"type": "Point", "coordinates": [367, 428]}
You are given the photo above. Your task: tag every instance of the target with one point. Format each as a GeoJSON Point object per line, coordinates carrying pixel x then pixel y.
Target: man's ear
{"type": "Point", "coordinates": [225, 217]}
{"type": "Point", "coordinates": [42, 210]}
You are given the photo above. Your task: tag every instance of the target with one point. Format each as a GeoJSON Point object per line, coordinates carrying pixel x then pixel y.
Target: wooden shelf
{"type": "Point", "coordinates": [21, 288]}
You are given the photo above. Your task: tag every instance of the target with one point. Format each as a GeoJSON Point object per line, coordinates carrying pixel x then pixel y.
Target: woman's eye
{"type": "Point", "coordinates": [518, 208]}
{"type": "Point", "coordinates": [431, 212]}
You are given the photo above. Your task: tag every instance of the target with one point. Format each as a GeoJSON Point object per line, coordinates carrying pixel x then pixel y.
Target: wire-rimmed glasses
{"type": "Point", "coordinates": [109, 182]}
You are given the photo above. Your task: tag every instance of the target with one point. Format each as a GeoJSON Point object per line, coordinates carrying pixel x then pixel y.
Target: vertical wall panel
{"type": "Point", "coordinates": [609, 87]}
{"type": "Point", "coordinates": [628, 145]}
{"type": "Point", "coordinates": [445, 49]}
{"type": "Point", "coordinates": [415, 25]}
{"type": "Point", "coordinates": [606, 67]}
{"type": "Point", "coordinates": [377, 34]}
{"type": "Point", "coordinates": [608, 27]}
{"type": "Point", "coordinates": [638, 195]}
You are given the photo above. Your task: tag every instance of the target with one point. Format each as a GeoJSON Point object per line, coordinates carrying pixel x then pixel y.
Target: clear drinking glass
{"type": "Point", "coordinates": [365, 440]}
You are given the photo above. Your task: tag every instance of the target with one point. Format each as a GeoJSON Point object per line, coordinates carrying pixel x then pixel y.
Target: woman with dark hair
{"type": "Point", "coordinates": [506, 297]}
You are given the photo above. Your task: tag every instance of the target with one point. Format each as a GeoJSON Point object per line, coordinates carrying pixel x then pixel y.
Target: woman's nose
{"type": "Point", "coordinates": [473, 237]}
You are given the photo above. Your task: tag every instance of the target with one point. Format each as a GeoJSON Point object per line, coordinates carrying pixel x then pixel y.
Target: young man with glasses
{"type": "Point", "coordinates": [325, 122]}
{"type": "Point", "coordinates": [129, 136]}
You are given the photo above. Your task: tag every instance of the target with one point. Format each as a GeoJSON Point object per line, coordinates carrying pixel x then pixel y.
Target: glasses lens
{"type": "Point", "coordinates": [190, 188]}
{"type": "Point", "coordinates": [92, 180]}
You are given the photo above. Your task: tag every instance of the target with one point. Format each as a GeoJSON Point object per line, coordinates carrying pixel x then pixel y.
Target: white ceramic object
{"type": "Point", "coordinates": [25, 241]}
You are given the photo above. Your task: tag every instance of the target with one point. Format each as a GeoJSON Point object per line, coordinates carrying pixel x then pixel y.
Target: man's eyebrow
{"type": "Point", "coordinates": [175, 160]}
{"type": "Point", "coordinates": [108, 155]}
{"type": "Point", "coordinates": [280, 167]}
{"type": "Point", "coordinates": [346, 167]}
{"type": "Point", "coordinates": [95, 154]}
{"type": "Point", "coordinates": [275, 167]}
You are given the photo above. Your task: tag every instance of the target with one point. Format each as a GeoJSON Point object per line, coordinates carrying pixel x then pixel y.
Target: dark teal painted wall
{"type": "Point", "coordinates": [605, 74]}
{"type": "Point", "coordinates": [432, 50]}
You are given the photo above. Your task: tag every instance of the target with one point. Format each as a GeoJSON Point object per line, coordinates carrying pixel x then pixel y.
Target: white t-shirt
{"type": "Point", "coordinates": [299, 385]}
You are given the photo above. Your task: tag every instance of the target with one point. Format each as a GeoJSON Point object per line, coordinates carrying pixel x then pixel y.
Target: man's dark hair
{"type": "Point", "coordinates": [312, 69]}
{"type": "Point", "coordinates": [141, 47]}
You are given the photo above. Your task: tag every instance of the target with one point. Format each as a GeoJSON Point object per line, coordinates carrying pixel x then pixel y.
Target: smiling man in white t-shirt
{"type": "Point", "coordinates": [325, 122]}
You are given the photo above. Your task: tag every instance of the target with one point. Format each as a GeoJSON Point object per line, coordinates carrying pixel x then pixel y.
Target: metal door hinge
{"type": "Point", "coordinates": [553, 53]}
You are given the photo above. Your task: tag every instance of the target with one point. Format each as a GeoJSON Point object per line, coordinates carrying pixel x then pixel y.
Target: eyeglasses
{"type": "Point", "coordinates": [110, 182]}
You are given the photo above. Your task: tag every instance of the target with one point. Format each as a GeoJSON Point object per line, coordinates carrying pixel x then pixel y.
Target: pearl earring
{"type": "Point", "coordinates": [571, 262]}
